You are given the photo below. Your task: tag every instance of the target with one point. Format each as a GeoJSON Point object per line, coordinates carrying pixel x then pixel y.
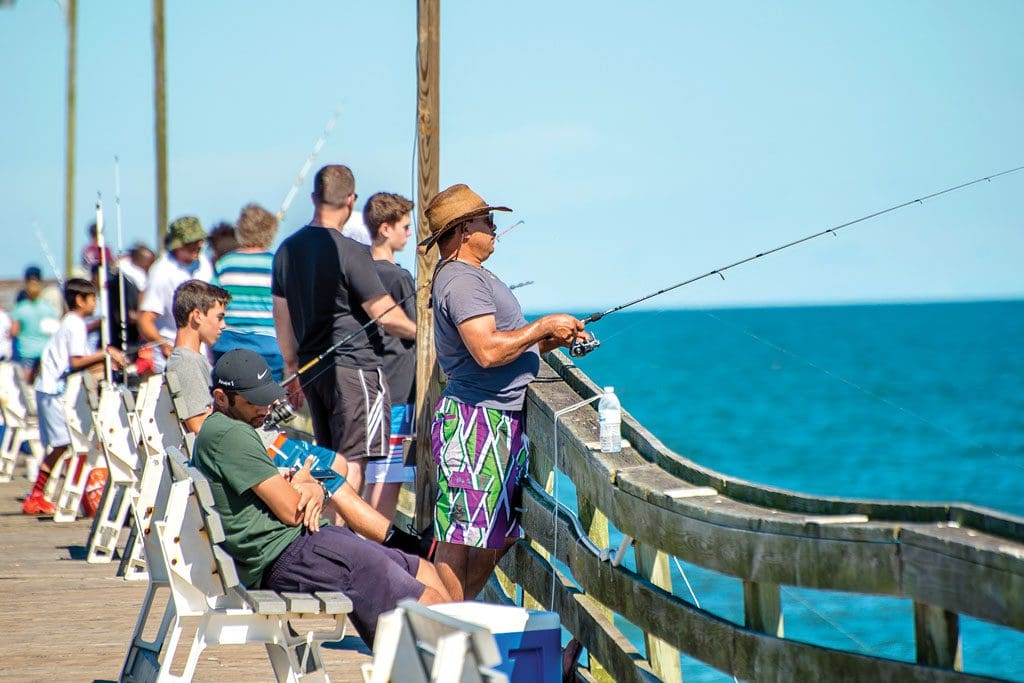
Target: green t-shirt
{"type": "Point", "coordinates": [32, 314]}
{"type": "Point", "coordinates": [231, 455]}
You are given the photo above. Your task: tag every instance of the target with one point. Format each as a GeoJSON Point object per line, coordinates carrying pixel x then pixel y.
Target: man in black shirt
{"type": "Point", "coordinates": [325, 289]}
{"type": "Point", "coordinates": [387, 218]}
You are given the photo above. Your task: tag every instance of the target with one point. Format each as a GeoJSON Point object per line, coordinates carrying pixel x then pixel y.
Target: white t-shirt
{"type": "Point", "coordinates": [164, 277]}
{"type": "Point", "coordinates": [132, 272]}
{"type": "Point", "coordinates": [70, 339]}
{"type": "Point", "coordinates": [355, 228]}
{"type": "Point", "coordinates": [5, 335]}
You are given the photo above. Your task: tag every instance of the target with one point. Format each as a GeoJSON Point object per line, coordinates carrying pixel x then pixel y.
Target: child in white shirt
{"type": "Point", "coordinates": [67, 351]}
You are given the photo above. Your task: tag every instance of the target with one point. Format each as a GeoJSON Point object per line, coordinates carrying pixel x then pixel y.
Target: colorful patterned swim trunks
{"type": "Point", "coordinates": [481, 455]}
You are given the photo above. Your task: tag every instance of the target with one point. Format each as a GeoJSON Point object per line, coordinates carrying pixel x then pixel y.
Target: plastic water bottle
{"type": "Point", "coordinates": [609, 417]}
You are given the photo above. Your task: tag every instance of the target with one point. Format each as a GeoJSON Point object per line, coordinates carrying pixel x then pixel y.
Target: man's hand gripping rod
{"type": "Point", "coordinates": [282, 411]}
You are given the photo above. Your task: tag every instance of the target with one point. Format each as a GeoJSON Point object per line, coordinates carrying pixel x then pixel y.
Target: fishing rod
{"type": "Point", "coordinates": [282, 411]}
{"type": "Point", "coordinates": [49, 255]}
{"type": "Point", "coordinates": [120, 248]}
{"type": "Point", "coordinates": [108, 371]}
{"type": "Point", "coordinates": [308, 164]}
{"type": "Point", "coordinates": [581, 348]}
{"type": "Point", "coordinates": [508, 230]}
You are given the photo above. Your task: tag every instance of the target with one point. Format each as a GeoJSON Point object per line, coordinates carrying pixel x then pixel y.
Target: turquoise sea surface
{"type": "Point", "coordinates": [919, 402]}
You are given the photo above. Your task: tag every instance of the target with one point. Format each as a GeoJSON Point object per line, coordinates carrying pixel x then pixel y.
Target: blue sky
{"type": "Point", "coordinates": [640, 143]}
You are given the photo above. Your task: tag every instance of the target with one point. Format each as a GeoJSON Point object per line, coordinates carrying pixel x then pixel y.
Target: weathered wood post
{"type": "Point", "coordinates": [653, 565]}
{"type": "Point", "coordinates": [596, 525]}
{"type": "Point", "coordinates": [428, 115]}
{"type": "Point", "coordinates": [160, 121]}
{"type": "Point", "coordinates": [937, 636]}
{"type": "Point", "coordinates": [762, 607]}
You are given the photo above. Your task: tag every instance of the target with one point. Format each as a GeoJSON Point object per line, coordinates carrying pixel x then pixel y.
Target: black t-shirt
{"type": "Point", "coordinates": [326, 277]}
{"type": "Point", "coordinates": [399, 355]}
{"type": "Point", "coordinates": [131, 309]}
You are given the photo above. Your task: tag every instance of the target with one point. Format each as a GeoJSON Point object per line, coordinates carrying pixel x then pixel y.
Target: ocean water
{"type": "Point", "coordinates": [919, 402]}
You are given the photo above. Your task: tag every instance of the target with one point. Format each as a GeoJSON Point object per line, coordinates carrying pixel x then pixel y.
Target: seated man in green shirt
{"type": "Point", "coordinates": [272, 525]}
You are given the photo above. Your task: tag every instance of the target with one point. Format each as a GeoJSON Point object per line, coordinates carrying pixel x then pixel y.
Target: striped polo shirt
{"type": "Point", "coordinates": [247, 279]}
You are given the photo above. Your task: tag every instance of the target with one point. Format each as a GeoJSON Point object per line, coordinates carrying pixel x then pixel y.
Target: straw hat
{"type": "Point", "coordinates": [451, 206]}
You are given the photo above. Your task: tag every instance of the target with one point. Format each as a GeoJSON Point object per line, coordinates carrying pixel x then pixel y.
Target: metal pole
{"type": "Point", "coordinates": [104, 303]}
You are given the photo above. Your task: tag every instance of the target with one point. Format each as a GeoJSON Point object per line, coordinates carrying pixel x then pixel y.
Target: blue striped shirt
{"type": "Point", "coordinates": [246, 276]}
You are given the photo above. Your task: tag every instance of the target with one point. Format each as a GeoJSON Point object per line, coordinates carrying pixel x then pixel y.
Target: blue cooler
{"type": "Point", "coordinates": [529, 640]}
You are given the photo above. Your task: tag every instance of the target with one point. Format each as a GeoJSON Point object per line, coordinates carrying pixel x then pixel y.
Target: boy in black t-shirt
{"type": "Point", "coordinates": [387, 218]}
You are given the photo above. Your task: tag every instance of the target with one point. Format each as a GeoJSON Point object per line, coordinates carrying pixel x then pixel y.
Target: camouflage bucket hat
{"type": "Point", "coordinates": [182, 231]}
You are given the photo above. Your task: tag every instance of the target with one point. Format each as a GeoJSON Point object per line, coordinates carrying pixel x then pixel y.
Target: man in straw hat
{"type": "Point", "coordinates": [183, 261]}
{"type": "Point", "coordinates": [490, 354]}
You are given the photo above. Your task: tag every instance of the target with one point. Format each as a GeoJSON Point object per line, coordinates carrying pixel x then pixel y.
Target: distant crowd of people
{"type": "Point", "coordinates": [327, 321]}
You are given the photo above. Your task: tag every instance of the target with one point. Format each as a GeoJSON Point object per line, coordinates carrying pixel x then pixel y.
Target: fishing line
{"type": "Point", "coordinates": [594, 317]}
{"type": "Point", "coordinates": [856, 641]}
{"type": "Point", "coordinates": [861, 389]}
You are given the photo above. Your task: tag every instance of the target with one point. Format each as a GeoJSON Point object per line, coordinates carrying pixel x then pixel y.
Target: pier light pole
{"type": "Point", "coordinates": [428, 118]}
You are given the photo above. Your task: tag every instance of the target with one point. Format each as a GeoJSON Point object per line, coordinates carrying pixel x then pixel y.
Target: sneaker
{"type": "Point", "coordinates": [38, 506]}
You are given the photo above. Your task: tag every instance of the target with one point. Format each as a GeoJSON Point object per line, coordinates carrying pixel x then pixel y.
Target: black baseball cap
{"type": "Point", "coordinates": [33, 273]}
{"type": "Point", "coordinates": [246, 373]}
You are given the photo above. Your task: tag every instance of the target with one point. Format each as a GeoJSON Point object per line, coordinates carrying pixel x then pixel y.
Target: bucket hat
{"type": "Point", "coordinates": [184, 230]}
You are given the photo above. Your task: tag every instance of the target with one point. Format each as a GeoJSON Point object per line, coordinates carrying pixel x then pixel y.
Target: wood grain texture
{"type": "Point", "coordinates": [428, 141]}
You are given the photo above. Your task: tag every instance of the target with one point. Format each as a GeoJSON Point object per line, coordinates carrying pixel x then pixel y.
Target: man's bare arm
{"type": "Point", "coordinates": [395, 322]}
{"type": "Point", "coordinates": [293, 503]}
{"type": "Point", "coordinates": [491, 348]}
{"type": "Point", "coordinates": [148, 331]}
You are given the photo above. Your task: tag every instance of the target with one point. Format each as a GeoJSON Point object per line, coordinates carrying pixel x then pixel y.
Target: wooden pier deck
{"type": "Point", "coordinates": [62, 619]}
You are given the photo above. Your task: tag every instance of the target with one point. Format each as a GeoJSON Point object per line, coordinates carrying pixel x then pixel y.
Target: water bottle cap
{"type": "Point", "coordinates": [609, 390]}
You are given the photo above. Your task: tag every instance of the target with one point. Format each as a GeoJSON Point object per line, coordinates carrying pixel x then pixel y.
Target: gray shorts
{"type": "Point", "coordinates": [351, 411]}
{"type": "Point", "coordinates": [375, 578]}
{"type": "Point", "coordinates": [53, 425]}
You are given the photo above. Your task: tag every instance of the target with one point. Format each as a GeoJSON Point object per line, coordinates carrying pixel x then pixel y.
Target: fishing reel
{"type": "Point", "coordinates": [279, 412]}
{"type": "Point", "coordinates": [581, 347]}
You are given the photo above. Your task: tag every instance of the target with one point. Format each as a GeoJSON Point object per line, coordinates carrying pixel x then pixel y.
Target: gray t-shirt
{"type": "Point", "coordinates": [462, 291]}
{"type": "Point", "coordinates": [195, 377]}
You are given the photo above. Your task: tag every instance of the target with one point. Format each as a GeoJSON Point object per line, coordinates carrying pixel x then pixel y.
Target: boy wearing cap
{"type": "Point", "coordinates": [33, 320]}
{"type": "Point", "coordinates": [326, 291]}
{"type": "Point", "coordinates": [272, 526]}
{"type": "Point", "coordinates": [490, 354]}
{"type": "Point", "coordinates": [66, 352]}
{"type": "Point", "coordinates": [182, 261]}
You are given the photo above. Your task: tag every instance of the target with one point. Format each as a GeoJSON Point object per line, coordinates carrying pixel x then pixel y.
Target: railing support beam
{"type": "Point", "coordinates": [762, 607]}
{"type": "Point", "coordinates": [653, 565]}
{"type": "Point", "coordinates": [937, 634]}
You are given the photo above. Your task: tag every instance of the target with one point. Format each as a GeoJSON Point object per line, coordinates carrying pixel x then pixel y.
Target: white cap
{"type": "Point", "coordinates": [609, 390]}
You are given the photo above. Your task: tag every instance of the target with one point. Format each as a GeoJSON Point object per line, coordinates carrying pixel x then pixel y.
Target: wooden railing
{"type": "Point", "coordinates": [949, 559]}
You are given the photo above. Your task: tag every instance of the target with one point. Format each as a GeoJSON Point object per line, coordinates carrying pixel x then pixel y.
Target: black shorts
{"type": "Point", "coordinates": [351, 411]}
{"type": "Point", "coordinates": [375, 578]}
